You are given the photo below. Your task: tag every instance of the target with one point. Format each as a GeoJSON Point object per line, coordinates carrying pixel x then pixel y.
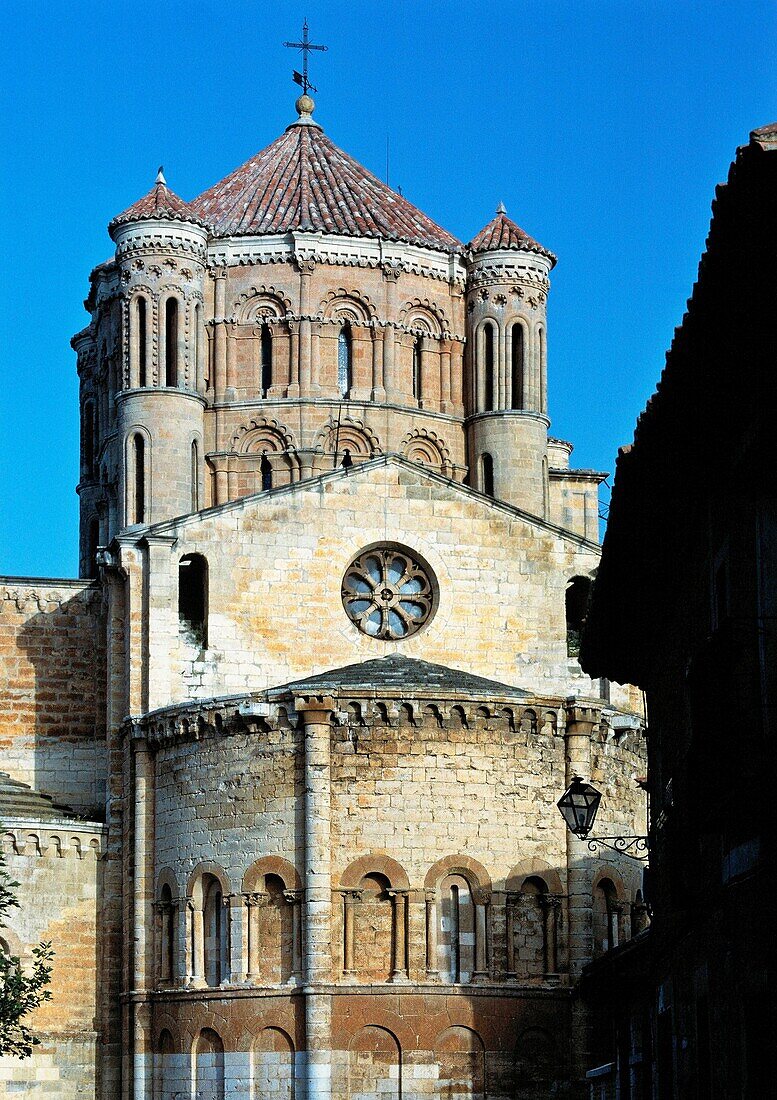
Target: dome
{"type": "Point", "coordinates": [304, 181]}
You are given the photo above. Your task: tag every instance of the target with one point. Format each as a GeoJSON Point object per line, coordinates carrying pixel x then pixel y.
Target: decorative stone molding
{"type": "Point", "coordinates": [260, 303]}
{"type": "Point", "coordinates": [54, 840]}
{"type": "Point", "coordinates": [428, 449]}
{"type": "Point", "coordinates": [349, 432]}
{"type": "Point", "coordinates": [350, 305]}
{"type": "Point", "coordinates": [262, 432]}
{"type": "Point", "coordinates": [80, 597]}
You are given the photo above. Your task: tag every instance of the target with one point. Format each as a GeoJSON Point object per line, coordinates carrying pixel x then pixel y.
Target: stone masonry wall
{"type": "Point", "coordinates": [275, 565]}
{"type": "Point", "coordinates": [52, 688]}
{"type": "Point", "coordinates": [58, 868]}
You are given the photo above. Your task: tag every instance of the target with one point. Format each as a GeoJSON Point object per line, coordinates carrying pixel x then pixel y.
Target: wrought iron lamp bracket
{"type": "Point", "coordinates": [634, 846]}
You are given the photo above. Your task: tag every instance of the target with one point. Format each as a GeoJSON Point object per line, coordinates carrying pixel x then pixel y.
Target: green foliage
{"type": "Point", "coordinates": [21, 990]}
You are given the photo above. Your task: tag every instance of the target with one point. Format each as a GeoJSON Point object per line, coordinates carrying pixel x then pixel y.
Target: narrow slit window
{"type": "Point", "coordinates": [265, 352]}
{"type": "Point", "coordinates": [141, 321]}
{"type": "Point", "coordinates": [195, 476]}
{"type": "Point", "coordinates": [488, 341]}
{"type": "Point", "coordinates": [487, 464]}
{"type": "Point", "coordinates": [516, 379]}
{"type": "Point", "coordinates": [139, 463]}
{"type": "Point", "coordinates": [577, 597]}
{"type": "Point", "coordinates": [193, 599]}
{"type": "Point", "coordinates": [345, 361]}
{"type": "Point", "coordinates": [171, 342]}
{"type": "Point", "coordinates": [417, 378]}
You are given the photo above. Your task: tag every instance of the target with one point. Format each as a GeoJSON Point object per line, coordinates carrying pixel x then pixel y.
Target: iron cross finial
{"type": "Point", "coordinates": [305, 46]}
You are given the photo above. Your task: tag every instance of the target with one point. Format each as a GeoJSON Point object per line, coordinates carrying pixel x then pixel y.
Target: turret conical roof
{"type": "Point", "coordinates": [159, 202]}
{"type": "Point", "coordinates": [502, 233]}
{"type": "Point", "coordinates": [304, 181]}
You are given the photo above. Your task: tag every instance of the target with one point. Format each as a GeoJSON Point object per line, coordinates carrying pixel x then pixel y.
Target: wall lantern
{"type": "Point", "coordinates": [578, 805]}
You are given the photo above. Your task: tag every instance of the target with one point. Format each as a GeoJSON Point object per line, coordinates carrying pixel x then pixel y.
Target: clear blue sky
{"type": "Point", "coordinates": [603, 126]}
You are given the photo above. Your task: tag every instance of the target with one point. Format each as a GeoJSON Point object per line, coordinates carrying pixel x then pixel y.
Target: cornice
{"type": "Point", "coordinates": [334, 249]}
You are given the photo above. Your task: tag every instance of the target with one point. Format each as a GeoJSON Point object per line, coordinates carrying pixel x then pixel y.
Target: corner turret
{"type": "Point", "coordinates": [507, 289]}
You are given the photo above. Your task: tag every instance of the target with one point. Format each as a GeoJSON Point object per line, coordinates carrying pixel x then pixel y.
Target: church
{"type": "Point", "coordinates": [281, 766]}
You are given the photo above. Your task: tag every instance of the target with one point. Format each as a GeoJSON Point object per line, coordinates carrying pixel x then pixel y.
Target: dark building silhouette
{"type": "Point", "coordinates": [685, 606]}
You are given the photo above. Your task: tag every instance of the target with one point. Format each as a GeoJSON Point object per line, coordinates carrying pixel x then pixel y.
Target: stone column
{"type": "Point", "coordinates": [198, 946]}
{"type": "Point", "coordinates": [500, 390]}
{"type": "Point", "coordinates": [378, 387]}
{"type": "Point", "coordinates": [316, 716]}
{"type": "Point", "coordinates": [294, 899]}
{"type": "Point", "coordinates": [293, 388]}
{"type": "Point", "coordinates": [550, 908]}
{"type": "Point", "coordinates": [315, 333]}
{"type": "Point", "coordinates": [142, 908]}
{"type": "Point", "coordinates": [391, 274]}
{"type": "Point", "coordinates": [251, 902]}
{"type": "Point", "coordinates": [446, 403]}
{"type": "Point", "coordinates": [185, 941]}
{"type": "Point", "coordinates": [306, 269]}
{"type": "Point", "coordinates": [233, 912]}
{"type": "Point", "coordinates": [229, 371]}
{"type": "Point", "coordinates": [580, 722]}
{"type": "Point", "coordinates": [457, 377]}
{"type": "Point", "coordinates": [432, 973]}
{"type": "Point", "coordinates": [219, 335]}
{"type": "Point", "coordinates": [481, 900]}
{"type": "Point", "coordinates": [511, 901]}
{"type": "Point", "coordinates": [399, 937]}
{"type": "Point", "coordinates": [350, 897]}
{"type": "Point", "coordinates": [165, 910]}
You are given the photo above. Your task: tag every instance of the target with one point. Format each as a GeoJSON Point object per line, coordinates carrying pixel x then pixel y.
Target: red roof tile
{"type": "Point", "coordinates": [160, 202]}
{"type": "Point", "coordinates": [303, 181]}
{"type": "Point", "coordinates": [502, 232]}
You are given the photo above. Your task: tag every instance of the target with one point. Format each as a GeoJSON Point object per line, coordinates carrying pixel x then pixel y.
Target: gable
{"type": "Point", "coordinates": [275, 569]}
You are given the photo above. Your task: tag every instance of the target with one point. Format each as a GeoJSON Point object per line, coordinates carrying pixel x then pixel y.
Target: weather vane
{"type": "Point", "coordinates": [305, 46]}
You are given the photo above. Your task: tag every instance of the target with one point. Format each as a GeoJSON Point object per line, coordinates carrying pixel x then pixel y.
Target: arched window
{"type": "Point", "coordinates": [208, 1067]}
{"type": "Point", "coordinates": [138, 511]}
{"type": "Point", "coordinates": [92, 542]}
{"type": "Point", "coordinates": [193, 599]}
{"type": "Point", "coordinates": [577, 596]}
{"type": "Point", "coordinates": [456, 930]}
{"type": "Point", "coordinates": [171, 342]}
{"type": "Point", "coordinates": [265, 352]}
{"type": "Point", "coordinates": [142, 320]}
{"type": "Point", "coordinates": [417, 359]}
{"type": "Point", "coordinates": [195, 476]}
{"type": "Point", "coordinates": [373, 928]}
{"type": "Point", "coordinates": [214, 931]}
{"type": "Point", "coordinates": [487, 473]}
{"type": "Point", "coordinates": [516, 401]}
{"type": "Point", "coordinates": [345, 361]}
{"type": "Point", "coordinates": [488, 363]}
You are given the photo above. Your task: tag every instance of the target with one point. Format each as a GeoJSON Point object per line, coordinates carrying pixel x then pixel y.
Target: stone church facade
{"type": "Point", "coordinates": [282, 765]}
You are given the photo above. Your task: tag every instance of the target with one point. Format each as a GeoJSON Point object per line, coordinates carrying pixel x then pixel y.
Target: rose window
{"type": "Point", "coordinates": [388, 593]}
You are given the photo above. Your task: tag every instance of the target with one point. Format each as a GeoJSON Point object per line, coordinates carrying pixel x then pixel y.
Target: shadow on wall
{"type": "Point", "coordinates": [55, 692]}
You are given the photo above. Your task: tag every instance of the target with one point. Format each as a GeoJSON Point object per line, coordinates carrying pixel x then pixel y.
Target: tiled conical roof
{"type": "Point", "coordinates": [304, 181]}
{"type": "Point", "coordinates": [160, 202]}
{"type": "Point", "coordinates": [502, 232]}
